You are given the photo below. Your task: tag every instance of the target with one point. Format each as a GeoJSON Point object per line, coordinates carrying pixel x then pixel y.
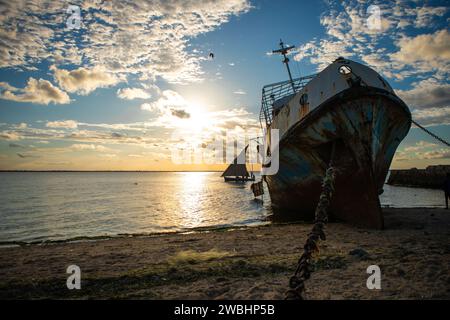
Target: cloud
{"type": "Point", "coordinates": [234, 118]}
{"type": "Point", "coordinates": [240, 92]}
{"type": "Point", "coordinates": [10, 135]}
{"type": "Point", "coordinates": [146, 106]}
{"type": "Point", "coordinates": [425, 15]}
{"type": "Point", "coordinates": [36, 91]}
{"type": "Point", "coordinates": [7, 86]}
{"type": "Point", "coordinates": [436, 154]}
{"type": "Point", "coordinates": [423, 150]}
{"type": "Point", "coordinates": [433, 49]}
{"type": "Point", "coordinates": [15, 145]}
{"type": "Point", "coordinates": [427, 93]}
{"type": "Point", "coordinates": [102, 134]}
{"type": "Point", "coordinates": [133, 93]}
{"type": "Point", "coordinates": [89, 147]}
{"type": "Point", "coordinates": [429, 100]}
{"type": "Point", "coordinates": [26, 155]}
{"type": "Point", "coordinates": [348, 35]}
{"type": "Point", "coordinates": [420, 145]}
{"type": "Point", "coordinates": [179, 113]}
{"type": "Point", "coordinates": [146, 38]}
{"type": "Point", "coordinates": [432, 116]}
{"type": "Point", "coordinates": [69, 124]}
{"type": "Point", "coordinates": [168, 100]}
{"type": "Point", "coordinates": [108, 155]}
{"type": "Point", "coordinates": [82, 80]}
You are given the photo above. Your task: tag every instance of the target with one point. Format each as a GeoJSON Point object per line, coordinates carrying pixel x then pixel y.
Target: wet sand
{"type": "Point", "coordinates": [413, 253]}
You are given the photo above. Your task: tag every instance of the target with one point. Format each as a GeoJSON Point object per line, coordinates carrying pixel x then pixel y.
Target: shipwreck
{"type": "Point", "coordinates": [347, 112]}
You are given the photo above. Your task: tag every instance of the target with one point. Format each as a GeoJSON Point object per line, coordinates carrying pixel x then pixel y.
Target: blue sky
{"type": "Point", "coordinates": [109, 94]}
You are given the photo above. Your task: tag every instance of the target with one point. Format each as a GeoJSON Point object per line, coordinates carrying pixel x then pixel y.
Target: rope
{"type": "Point", "coordinates": [304, 269]}
{"type": "Point", "coordinates": [432, 134]}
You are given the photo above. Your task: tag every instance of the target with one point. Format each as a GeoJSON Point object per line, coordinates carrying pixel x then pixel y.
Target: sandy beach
{"type": "Point", "coordinates": [413, 253]}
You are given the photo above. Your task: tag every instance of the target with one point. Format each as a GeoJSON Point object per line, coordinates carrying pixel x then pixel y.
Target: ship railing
{"type": "Point", "coordinates": [275, 91]}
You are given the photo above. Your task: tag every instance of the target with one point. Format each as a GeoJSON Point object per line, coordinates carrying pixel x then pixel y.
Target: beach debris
{"type": "Point", "coordinates": [257, 188]}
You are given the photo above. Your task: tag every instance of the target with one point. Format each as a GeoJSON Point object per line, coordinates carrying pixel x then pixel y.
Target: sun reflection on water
{"type": "Point", "coordinates": [192, 198]}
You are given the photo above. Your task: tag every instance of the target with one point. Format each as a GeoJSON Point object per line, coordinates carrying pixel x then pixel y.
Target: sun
{"type": "Point", "coordinates": [199, 118]}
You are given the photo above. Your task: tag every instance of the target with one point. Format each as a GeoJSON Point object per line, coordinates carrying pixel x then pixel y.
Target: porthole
{"type": "Point", "coordinates": [345, 70]}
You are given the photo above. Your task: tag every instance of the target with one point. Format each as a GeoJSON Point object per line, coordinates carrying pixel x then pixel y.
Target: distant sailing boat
{"type": "Point", "coordinates": [237, 171]}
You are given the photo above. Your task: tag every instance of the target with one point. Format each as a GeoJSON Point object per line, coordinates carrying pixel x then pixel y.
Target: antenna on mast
{"type": "Point", "coordinates": [284, 50]}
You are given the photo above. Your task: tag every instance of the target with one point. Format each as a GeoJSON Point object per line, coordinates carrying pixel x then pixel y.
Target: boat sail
{"type": "Point", "coordinates": [237, 171]}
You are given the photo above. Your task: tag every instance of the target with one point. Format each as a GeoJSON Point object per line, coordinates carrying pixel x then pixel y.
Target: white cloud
{"type": "Point", "coordinates": [348, 35]}
{"type": "Point", "coordinates": [429, 100]}
{"type": "Point", "coordinates": [169, 99]}
{"type": "Point", "coordinates": [83, 80]}
{"type": "Point", "coordinates": [146, 106]}
{"type": "Point", "coordinates": [10, 135]}
{"type": "Point", "coordinates": [108, 155]}
{"type": "Point", "coordinates": [425, 15]}
{"type": "Point", "coordinates": [427, 93]}
{"type": "Point", "coordinates": [436, 154]}
{"type": "Point", "coordinates": [89, 147]}
{"type": "Point", "coordinates": [432, 116]}
{"type": "Point", "coordinates": [240, 92]}
{"type": "Point", "coordinates": [36, 91]}
{"type": "Point", "coordinates": [69, 124]}
{"type": "Point", "coordinates": [133, 93]}
{"type": "Point", "coordinates": [147, 38]}
{"type": "Point", "coordinates": [433, 49]}
{"type": "Point", "coordinates": [420, 145]}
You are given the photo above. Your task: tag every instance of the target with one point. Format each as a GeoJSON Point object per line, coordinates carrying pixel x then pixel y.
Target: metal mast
{"type": "Point", "coordinates": [284, 50]}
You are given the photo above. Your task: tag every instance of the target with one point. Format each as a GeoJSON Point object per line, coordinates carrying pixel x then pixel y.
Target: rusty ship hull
{"type": "Point", "coordinates": [366, 125]}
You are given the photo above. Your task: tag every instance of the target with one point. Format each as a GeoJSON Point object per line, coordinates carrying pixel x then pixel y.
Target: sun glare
{"type": "Point", "coordinates": [199, 118]}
